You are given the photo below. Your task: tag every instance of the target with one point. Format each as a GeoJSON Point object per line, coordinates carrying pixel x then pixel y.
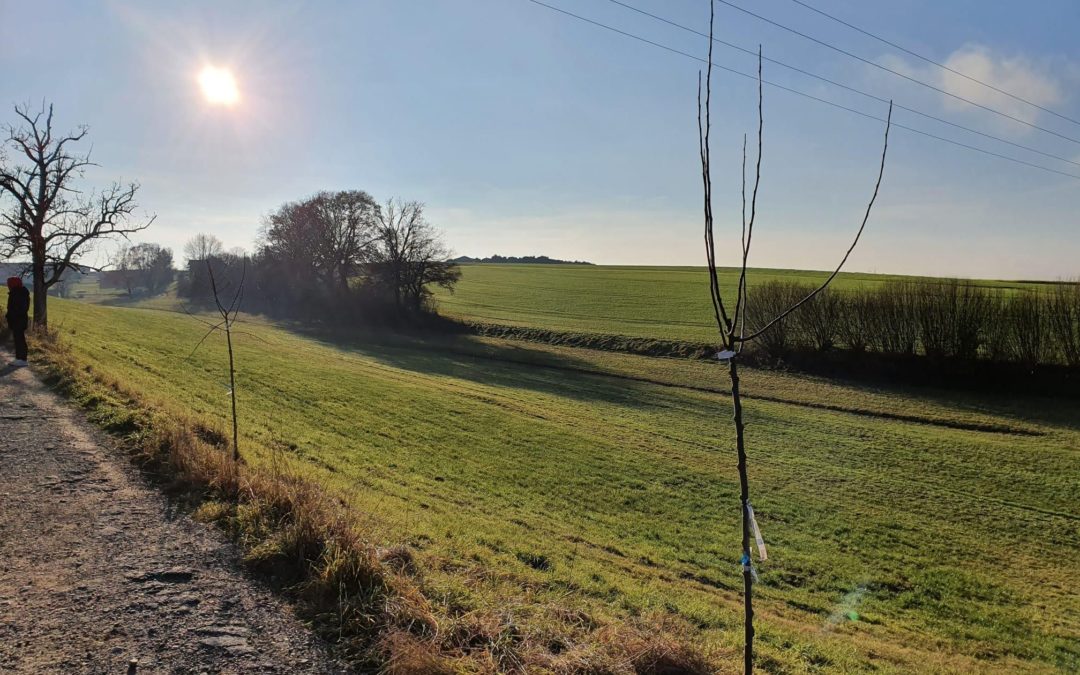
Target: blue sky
{"type": "Point", "coordinates": [528, 132]}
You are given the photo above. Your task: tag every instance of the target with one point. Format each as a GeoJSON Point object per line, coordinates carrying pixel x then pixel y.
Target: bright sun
{"type": "Point", "coordinates": [218, 86]}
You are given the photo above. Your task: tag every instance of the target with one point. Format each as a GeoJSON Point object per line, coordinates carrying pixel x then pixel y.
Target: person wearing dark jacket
{"type": "Point", "coordinates": [18, 317]}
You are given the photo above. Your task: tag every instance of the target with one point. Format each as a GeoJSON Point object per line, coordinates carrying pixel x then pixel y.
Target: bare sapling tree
{"type": "Point", "coordinates": [227, 324]}
{"type": "Point", "coordinates": [732, 327]}
{"type": "Point", "coordinates": [42, 212]}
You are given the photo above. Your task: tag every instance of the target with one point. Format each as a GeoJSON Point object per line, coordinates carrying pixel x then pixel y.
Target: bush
{"type": "Point", "coordinates": [818, 320]}
{"type": "Point", "coordinates": [1064, 321]}
{"type": "Point", "coordinates": [951, 319]}
{"type": "Point", "coordinates": [854, 326]}
{"type": "Point", "coordinates": [766, 302]}
{"type": "Point", "coordinates": [997, 344]}
{"type": "Point", "coordinates": [892, 317]}
{"type": "Point", "coordinates": [1027, 328]}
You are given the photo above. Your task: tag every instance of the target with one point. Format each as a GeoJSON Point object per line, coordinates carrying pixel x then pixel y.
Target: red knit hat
{"type": "Point", "coordinates": [14, 282]}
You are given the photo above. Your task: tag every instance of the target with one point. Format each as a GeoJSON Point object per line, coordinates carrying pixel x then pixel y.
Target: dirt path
{"type": "Point", "coordinates": [97, 571]}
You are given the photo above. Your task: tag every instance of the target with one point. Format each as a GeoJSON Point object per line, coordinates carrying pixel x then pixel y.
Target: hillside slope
{"type": "Point", "coordinates": [551, 480]}
{"type": "Point", "coordinates": [669, 303]}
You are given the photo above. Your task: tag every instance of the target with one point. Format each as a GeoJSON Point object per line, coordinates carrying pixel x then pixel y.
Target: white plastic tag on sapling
{"type": "Point", "coordinates": [758, 539]}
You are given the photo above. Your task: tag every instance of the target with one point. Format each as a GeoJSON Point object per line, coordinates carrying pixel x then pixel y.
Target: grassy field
{"type": "Point", "coordinates": [88, 290]}
{"type": "Point", "coordinates": [908, 530]}
{"type": "Point", "coordinates": [670, 303]}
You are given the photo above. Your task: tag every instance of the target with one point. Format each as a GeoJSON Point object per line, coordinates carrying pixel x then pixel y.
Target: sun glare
{"type": "Point", "coordinates": [218, 86]}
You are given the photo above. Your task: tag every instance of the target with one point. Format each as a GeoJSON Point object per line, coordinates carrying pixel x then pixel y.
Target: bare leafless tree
{"type": "Point", "coordinates": [145, 266]}
{"type": "Point", "coordinates": [1064, 314]}
{"type": "Point", "coordinates": [202, 246]}
{"type": "Point", "coordinates": [123, 269]}
{"type": "Point", "coordinates": [227, 323]}
{"type": "Point", "coordinates": [411, 255]}
{"type": "Point", "coordinates": [732, 327]}
{"type": "Point", "coordinates": [44, 215]}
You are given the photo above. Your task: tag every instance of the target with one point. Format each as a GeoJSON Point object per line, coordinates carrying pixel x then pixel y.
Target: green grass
{"type": "Point", "coordinates": [89, 290]}
{"type": "Point", "coordinates": [535, 476]}
{"type": "Point", "coordinates": [670, 303]}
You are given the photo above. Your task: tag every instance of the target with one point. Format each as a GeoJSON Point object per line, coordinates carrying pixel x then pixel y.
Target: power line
{"type": "Point", "coordinates": [846, 87]}
{"type": "Point", "coordinates": [898, 73]}
{"type": "Point", "coordinates": [936, 63]}
{"type": "Point", "coordinates": [801, 93]}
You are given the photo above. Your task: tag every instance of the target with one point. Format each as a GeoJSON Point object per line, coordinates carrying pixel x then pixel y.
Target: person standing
{"type": "Point", "coordinates": [18, 317]}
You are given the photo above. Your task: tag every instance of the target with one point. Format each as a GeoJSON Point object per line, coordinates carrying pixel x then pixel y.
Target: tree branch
{"type": "Point", "coordinates": [208, 333]}
{"type": "Point", "coordinates": [748, 234]}
{"type": "Point", "coordinates": [723, 322]}
{"type": "Point", "coordinates": [866, 217]}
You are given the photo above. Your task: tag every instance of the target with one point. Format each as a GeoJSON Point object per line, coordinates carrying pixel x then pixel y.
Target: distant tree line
{"type": "Point", "coordinates": [140, 268]}
{"type": "Point", "coordinates": [336, 256]}
{"type": "Point", "coordinates": [950, 320]}
{"type": "Point", "coordinates": [521, 260]}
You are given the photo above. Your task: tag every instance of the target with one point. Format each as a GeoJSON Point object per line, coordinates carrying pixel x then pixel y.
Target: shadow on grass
{"type": "Point", "coordinates": [1030, 404]}
{"type": "Point", "coordinates": [130, 300]}
{"type": "Point", "coordinates": [1009, 392]}
{"type": "Point", "coordinates": [519, 365]}
{"type": "Point", "coordinates": [513, 366]}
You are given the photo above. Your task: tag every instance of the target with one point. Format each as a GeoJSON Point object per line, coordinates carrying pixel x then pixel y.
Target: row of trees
{"type": "Point", "coordinates": [323, 254]}
{"type": "Point", "coordinates": [143, 267]}
{"type": "Point", "coordinates": [953, 319]}
{"type": "Point", "coordinates": [330, 256]}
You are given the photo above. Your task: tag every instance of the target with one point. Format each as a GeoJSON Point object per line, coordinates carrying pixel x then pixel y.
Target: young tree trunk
{"type": "Point", "coordinates": [232, 392]}
{"type": "Point", "coordinates": [744, 495]}
{"type": "Point", "coordinates": [228, 316]}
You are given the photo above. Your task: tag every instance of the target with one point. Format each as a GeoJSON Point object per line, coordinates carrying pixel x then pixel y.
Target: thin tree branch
{"type": "Point", "coordinates": [252, 335]}
{"type": "Point", "coordinates": [193, 316]}
{"type": "Point", "coordinates": [208, 333]}
{"type": "Point", "coordinates": [866, 217]}
{"type": "Point", "coordinates": [213, 287]}
{"type": "Point", "coordinates": [740, 311]}
{"type": "Point", "coordinates": [234, 305]}
{"type": "Point", "coordinates": [749, 228]}
{"type": "Point", "coordinates": [722, 320]}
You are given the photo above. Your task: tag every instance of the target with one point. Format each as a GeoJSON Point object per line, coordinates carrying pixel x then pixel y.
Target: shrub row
{"type": "Point", "coordinates": [954, 319]}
